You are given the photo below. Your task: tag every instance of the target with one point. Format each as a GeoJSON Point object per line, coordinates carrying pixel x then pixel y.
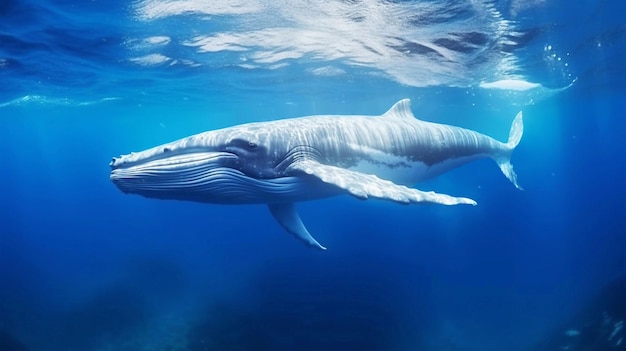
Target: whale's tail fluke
{"type": "Point", "coordinates": [504, 160]}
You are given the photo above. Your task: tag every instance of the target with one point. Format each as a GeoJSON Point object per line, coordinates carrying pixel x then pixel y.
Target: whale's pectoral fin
{"type": "Point", "coordinates": [364, 185]}
{"type": "Point", "coordinates": [288, 217]}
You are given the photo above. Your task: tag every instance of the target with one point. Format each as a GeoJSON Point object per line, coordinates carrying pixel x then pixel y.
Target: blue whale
{"type": "Point", "coordinates": [282, 162]}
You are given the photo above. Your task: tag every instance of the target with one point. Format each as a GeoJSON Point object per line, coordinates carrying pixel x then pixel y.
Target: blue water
{"type": "Point", "coordinates": [85, 267]}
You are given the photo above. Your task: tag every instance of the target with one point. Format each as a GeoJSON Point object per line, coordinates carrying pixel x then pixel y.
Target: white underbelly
{"type": "Point", "coordinates": [403, 171]}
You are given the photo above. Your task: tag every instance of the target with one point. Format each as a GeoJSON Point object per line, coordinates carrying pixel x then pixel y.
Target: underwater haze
{"type": "Point", "coordinates": [84, 266]}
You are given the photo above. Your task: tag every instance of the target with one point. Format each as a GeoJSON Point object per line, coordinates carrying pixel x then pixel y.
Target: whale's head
{"type": "Point", "coordinates": [241, 164]}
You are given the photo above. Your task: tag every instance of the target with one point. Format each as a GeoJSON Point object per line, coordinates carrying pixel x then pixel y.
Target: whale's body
{"type": "Point", "coordinates": [282, 162]}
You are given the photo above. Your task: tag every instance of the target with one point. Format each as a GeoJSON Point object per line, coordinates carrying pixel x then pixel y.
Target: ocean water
{"type": "Point", "coordinates": [85, 267]}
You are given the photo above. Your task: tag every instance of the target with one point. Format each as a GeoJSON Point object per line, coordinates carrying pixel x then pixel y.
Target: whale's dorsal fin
{"type": "Point", "coordinates": [401, 109]}
{"type": "Point", "coordinates": [364, 185]}
{"type": "Point", "coordinates": [287, 216]}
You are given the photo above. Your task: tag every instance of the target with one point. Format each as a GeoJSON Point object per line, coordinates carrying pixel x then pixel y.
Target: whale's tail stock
{"type": "Point", "coordinates": [504, 159]}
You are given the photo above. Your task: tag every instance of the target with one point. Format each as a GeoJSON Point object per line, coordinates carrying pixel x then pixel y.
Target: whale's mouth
{"type": "Point", "coordinates": [206, 177]}
{"type": "Point", "coordinates": [185, 172]}
{"type": "Point", "coordinates": [163, 156]}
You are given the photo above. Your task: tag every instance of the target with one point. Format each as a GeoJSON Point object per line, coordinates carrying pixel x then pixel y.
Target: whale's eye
{"type": "Point", "coordinates": [243, 145]}
{"type": "Point", "coordinates": [166, 149]}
